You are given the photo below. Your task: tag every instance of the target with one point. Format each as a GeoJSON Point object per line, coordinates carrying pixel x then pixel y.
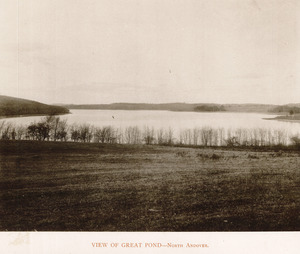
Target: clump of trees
{"type": "Point", "coordinates": [296, 141]}
{"type": "Point", "coordinates": [209, 108]}
{"type": "Point", "coordinates": [105, 134]}
{"type": "Point", "coordinates": [48, 128]}
{"type": "Point", "coordinates": [286, 109]}
{"type": "Point", "coordinates": [53, 128]}
{"type": "Point", "coordinates": [149, 135]}
{"type": "Point", "coordinates": [8, 131]}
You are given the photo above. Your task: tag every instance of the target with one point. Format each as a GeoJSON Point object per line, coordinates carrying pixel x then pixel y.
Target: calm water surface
{"type": "Point", "coordinates": [168, 119]}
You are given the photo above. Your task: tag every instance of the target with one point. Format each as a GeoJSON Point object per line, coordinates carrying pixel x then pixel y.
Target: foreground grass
{"type": "Point", "coordinates": [48, 186]}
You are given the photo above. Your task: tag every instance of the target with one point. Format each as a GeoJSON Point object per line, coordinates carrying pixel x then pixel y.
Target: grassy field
{"type": "Point", "coordinates": [48, 186]}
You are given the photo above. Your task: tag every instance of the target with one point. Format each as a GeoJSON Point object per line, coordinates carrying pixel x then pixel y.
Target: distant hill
{"type": "Point", "coordinates": [293, 105]}
{"type": "Point", "coordinates": [190, 107]}
{"type": "Point", "coordinates": [136, 106]}
{"type": "Point", "coordinates": [249, 107]}
{"type": "Point", "coordinates": [144, 106]}
{"type": "Point", "coordinates": [10, 106]}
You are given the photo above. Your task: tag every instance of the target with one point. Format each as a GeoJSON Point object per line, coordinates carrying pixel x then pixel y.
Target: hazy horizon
{"type": "Point", "coordinates": [130, 102]}
{"type": "Point", "coordinates": [132, 51]}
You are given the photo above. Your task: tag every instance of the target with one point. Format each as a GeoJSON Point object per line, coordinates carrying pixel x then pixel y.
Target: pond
{"type": "Point", "coordinates": [177, 121]}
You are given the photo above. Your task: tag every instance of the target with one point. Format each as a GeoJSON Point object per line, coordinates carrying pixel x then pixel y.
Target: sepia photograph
{"type": "Point", "coordinates": [145, 119]}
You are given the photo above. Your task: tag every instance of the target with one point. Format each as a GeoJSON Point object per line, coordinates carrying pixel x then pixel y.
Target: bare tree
{"type": "Point", "coordinates": [181, 137]}
{"type": "Point", "coordinates": [13, 133]}
{"type": "Point", "coordinates": [2, 125]}
{"type": "Point", "coordinates": [196, 136]}
{"type": "Point", "coordinates": [262, 134]}
{"type": "Point", "coordinates": [136, 135]}
{"type": "Point", "coordinates": [54, 123]}
{"type": "Point", "coordinates": [119, 136]}
{"type": "Point", "coordinates": [75, 133]}
{"type": "Point", "coordinates": [170, 136]}
{"type": "Point", "coordinates": [189, 136]}
{"type": "Point", "coordinates": [206, 135]}
{"type": "Point", "coordinates": [20, 132]}
{"type": "Point", "coordinates": [160, 136]}
{"type": "Point", "coordinates": [245, 137]}
{"type": "Point", "coordinates": [61, 131]}
{"type": "Point", "coordinates": [85, 132]}
{"type": "Point", "coordinates": [215, 137]}
{"type": "Point", "coordinates": [221, 136]}
{"type": "Point", "coordinates": [128, 135]}
{"type": "Point", "coordinates": [148, 135]}
{"type": "Point", "coordinates": [270, 137]}
{"type": "Point", "coordinates": [185, 136]}
{"type": "Point", "coordinates": [6, 131]}
{"type": "Point", "coordinates": [280, 137]}
{"type": "Point", "coordinates": [105, 134]}
{"type": "Point", "coordinates": [238, 135]}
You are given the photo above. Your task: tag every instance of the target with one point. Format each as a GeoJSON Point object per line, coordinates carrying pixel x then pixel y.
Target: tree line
{"type": "Point", "coordinates": [53, 128]}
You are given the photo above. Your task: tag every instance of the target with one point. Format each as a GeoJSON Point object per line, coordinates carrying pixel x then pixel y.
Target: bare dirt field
{"type": "Point", "coordinates": [52, 186]}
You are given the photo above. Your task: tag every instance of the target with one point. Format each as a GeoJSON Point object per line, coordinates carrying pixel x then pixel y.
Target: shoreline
{"type": "Point", "coordinates": [94, 146]}
{"type": "Point", "coordinates": [182, 111]}
{"type": "Point", "coordinates": [295, 119]}
{"type": "Point", "coordinates": [30, 115]}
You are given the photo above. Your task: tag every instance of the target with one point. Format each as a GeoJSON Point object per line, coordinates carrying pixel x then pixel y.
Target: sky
{"type": "Point", "coordinates": [151, 51]}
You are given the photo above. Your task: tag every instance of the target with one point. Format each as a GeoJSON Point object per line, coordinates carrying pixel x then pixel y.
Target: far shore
{"type": "Point", "coordinates": [29, 115]}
